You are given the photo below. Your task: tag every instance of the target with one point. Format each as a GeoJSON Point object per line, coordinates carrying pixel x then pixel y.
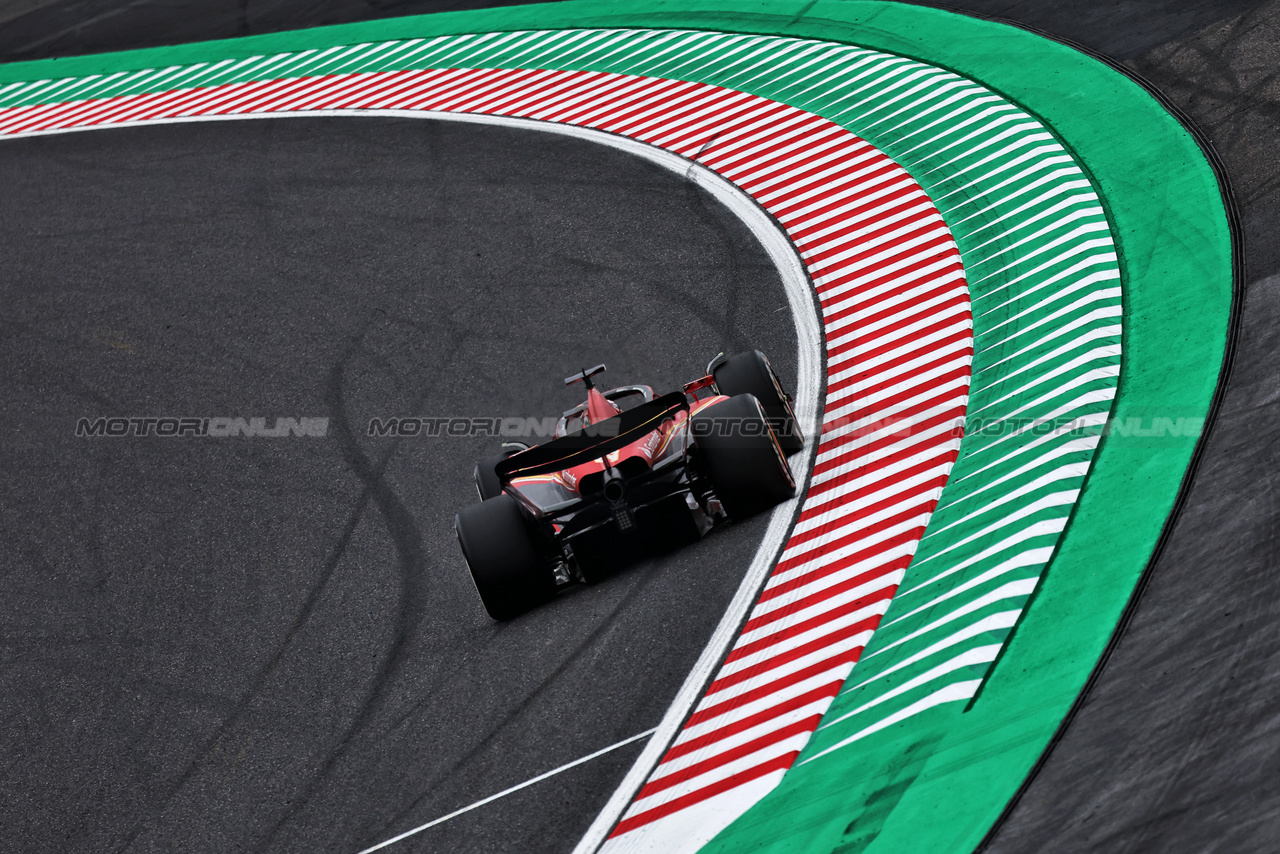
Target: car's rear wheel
{"type": "Point", "coordinates": [501, 556]}
{"type": "Point", "coordinates": [741, 457]}
{"type": "Point", "coordinates": [751, 373]}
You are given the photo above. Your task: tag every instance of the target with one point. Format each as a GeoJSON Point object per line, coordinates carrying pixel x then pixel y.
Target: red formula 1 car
{"type": "Point", "coordinates": [627, 474]}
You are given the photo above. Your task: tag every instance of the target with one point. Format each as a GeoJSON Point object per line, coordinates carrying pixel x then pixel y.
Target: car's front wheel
{"type": "Point", "coordinates": [741, 457]}
{"type": "Point", "coordinates": [501, 556]}
{"type": "Point", "coordinates": [487, 483]}
{"type": "Point", "coordinates": [751, 373]}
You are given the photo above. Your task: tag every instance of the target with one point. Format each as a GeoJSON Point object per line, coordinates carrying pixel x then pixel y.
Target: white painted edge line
{"type": "Point", "coordinates": [810, 371]}
{"type": "Point", "coordinates": [442, 819]}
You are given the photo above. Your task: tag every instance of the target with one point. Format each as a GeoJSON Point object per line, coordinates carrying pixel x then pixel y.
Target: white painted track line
{"type": "Point", "coordinates": [526, 784]}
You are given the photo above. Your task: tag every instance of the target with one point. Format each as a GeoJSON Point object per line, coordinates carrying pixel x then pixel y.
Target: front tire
{"type": "Point", "coordinates": [751, 373]}
{"type": "Point", "coordinates": [741, 457]}
{"type": "Point", "coordinates": [487, 483]}
{"type": "Point", "coordinates": [501, 556]}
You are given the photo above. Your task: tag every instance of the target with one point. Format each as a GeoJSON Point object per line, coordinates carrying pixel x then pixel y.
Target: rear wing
{"type": "Point", "coordinates": [593, 441]}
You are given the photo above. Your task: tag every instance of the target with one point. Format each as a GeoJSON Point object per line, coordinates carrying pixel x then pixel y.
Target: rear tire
{"type": "Point", "coordinates": [741, 457]}
{"type": "Point", "coordinates": [751, 373]}
{"type": "Point", "coordinates": [501, 556]}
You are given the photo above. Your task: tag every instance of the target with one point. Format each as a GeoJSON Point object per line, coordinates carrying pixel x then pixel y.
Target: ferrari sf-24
{"type": "Point", "coordinates": [627, 473]}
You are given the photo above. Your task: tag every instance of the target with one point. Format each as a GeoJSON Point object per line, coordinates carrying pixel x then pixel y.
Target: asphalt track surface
{"type": "Point", "coordinates": [273, 644]}
{"type": "Point", "coordinates": [1175, 748]}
